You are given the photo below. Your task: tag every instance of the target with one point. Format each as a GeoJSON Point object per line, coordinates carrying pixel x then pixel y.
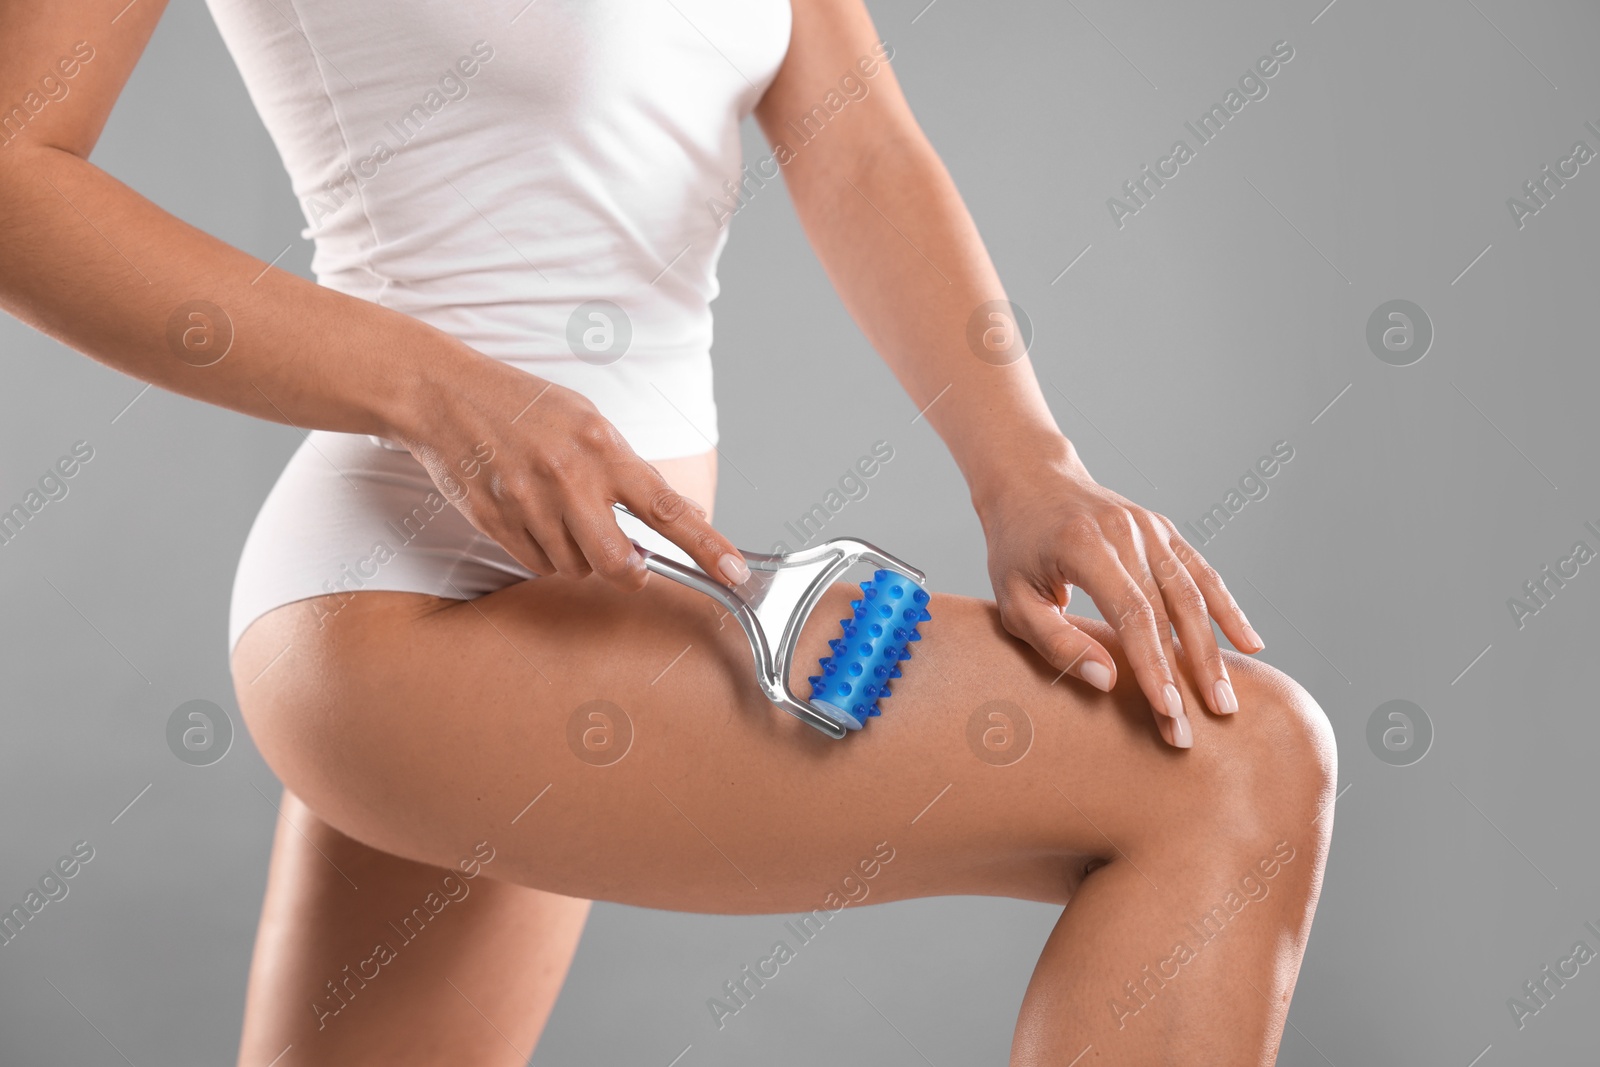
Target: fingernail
{"type": "Point", "coordinates": [1096, 674]}
{"type": "Point", "coordinates": [1255, 638]}
{"type": "Point", "coordinates": [1182, 735]}
{"type": "Point", "coordinates": [736, 570]}
{"type": "Point", "coordinates": [1227, 703]}
{"type": "Point", "coordinates": [1169, 693]}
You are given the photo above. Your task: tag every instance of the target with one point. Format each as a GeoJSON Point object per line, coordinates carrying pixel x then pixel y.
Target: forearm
{"type": "Point", "coordinates": [90, 262]}
{"type": "Point", "coordinates": [902, 250]}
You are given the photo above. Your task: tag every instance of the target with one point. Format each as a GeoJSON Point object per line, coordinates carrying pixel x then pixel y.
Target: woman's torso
{"type": "Point", "coordinates": [497, 168]}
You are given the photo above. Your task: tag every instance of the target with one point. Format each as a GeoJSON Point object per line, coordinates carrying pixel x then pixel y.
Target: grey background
{"type": "Point", "coordinates": [1224, 317]}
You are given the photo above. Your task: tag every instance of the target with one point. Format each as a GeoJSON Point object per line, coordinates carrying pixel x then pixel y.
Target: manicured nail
{"type": "Point", "coordinates": [736, 570]}
{"type": "Point", "coordinates": [1227, 703]}
{"type": "Point", "coordinates": [1255, 638]}
{"type": "Point", "coordinates": [1169, 693]}
{"type": "Point", "coordinates": [1182, 735]}
{"type": "Point", "coordinates": [1096, 674]}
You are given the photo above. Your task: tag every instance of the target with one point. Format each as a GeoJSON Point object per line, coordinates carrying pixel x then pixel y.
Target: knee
{"type": "Point", "coordinates": [1295, 738]}
{"type": "Point", "coordinates": [1271, 768]}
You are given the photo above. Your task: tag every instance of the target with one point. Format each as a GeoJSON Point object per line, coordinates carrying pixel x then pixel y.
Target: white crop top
{"type": "Point", "coordinates": [537, 179]}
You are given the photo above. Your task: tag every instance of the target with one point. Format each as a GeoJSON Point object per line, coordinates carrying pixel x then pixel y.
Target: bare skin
{"type": "Point", "coordinates": [507, 947]}
{"type": "Point", "coordinates": [411, 729]}
{"type": "Point", "coordinates": [420, 727]}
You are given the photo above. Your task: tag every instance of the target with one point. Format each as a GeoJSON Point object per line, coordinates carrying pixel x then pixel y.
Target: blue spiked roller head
{"type": "Point", "coordinates": [876, 638]}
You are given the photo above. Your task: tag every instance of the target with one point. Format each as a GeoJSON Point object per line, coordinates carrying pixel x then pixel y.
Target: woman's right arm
{"type": "Point", "coordinates": [95, 265]}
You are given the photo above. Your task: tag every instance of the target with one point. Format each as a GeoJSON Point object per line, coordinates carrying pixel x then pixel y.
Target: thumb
{"type": "Point", "coordinates": [1030, 616]}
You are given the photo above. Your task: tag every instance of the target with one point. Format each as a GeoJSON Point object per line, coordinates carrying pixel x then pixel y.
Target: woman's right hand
{"type": "Point", "coordinates": [536, 467]}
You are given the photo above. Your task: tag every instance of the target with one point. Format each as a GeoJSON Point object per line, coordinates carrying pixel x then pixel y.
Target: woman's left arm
{"type": "Point", "coordinates": [893, 234]}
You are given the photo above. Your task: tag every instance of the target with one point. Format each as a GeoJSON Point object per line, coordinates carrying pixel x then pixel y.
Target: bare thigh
{"type": "Point", "coordinates": [423, 728]}
{"type": "Point", "coordinates": [353, 938]}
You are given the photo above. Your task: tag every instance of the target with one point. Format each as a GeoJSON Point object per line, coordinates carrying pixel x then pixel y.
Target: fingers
{"type": "Point", "coordinates": [1148, 585]}
{"type": "Point", "coordinates": [1028, 615]}
{"type": "Point", "coordinates": [1186, 607]}
{"type": "Point", "coordinates": [587, 538]}
{"type": "Point", "coordinates": [1139, 627]}
{"type": "Point", "coordinates": [526, 551]}
{"type": "Point", "coordinates": [1219, 602]}
{"type": "Point", "coordinates": [608, 550]}
{"type": "Point", "coordinates": [551, 534]}
{"type": "Point", "coordinates": [1129, 598]}
{"type": "Point", "coordinates": [550, 497]}
{"type": "Point", "coordinates": [1175, 729]}
{"type": "Point", "coordinates": [1174, 725]}
{"type": "Point", "coordinates": [681, 521]}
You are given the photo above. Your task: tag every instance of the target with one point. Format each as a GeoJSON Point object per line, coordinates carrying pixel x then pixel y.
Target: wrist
{"type": "Point", "coordinates": [1016, 470]}
{"type": "Point", "coordinates": [429, 381]}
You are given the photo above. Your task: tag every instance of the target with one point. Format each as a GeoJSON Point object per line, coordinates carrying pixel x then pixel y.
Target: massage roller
{"type": "Point", "coordinates": [773, 605]}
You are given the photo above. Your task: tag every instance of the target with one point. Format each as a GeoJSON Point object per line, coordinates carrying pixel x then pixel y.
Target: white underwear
{"type": "Point", "coordinates": [349, 515]}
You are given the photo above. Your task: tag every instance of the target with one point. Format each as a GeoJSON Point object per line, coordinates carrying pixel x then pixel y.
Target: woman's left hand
{"type": "Point", "coordinates": [1062, 529]}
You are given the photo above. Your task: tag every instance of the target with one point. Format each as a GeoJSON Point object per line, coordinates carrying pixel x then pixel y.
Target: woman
{"type": "Point", "coordinates": [518, 211]}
